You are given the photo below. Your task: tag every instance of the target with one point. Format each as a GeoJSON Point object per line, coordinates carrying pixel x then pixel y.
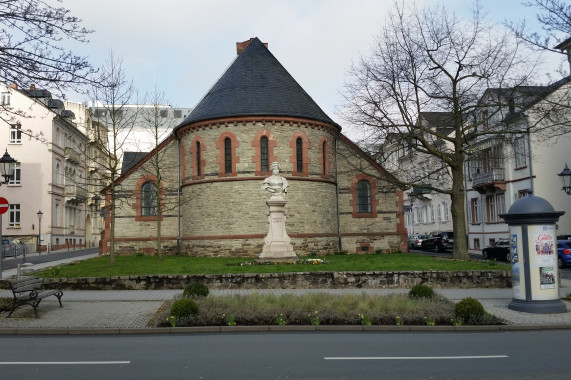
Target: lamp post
{"type": "Point", "coordinates": [40, 214]}
{"type": "Point", "coordinates": [566, 179]}
{"type": "Point", "coordinates": [5, 162]}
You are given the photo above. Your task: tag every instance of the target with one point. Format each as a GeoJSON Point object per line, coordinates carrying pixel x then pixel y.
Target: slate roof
{"type": "Point", "coordinates": [130, 159]}
{"type": "Point", "coordinates": [256, 84]}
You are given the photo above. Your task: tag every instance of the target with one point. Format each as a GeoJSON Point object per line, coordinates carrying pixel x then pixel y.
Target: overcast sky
{"type": "Point", "coordinates": [184, 46]}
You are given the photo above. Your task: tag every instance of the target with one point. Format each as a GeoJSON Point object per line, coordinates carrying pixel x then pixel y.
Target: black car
{"type": "Point", "coordinates": [499, 250]}
{"type": "Point", "coordinates": [438, 241]}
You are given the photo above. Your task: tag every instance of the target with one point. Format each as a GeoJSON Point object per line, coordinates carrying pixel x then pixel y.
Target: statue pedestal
{"type": "Point", "coordinates": [277, 245]}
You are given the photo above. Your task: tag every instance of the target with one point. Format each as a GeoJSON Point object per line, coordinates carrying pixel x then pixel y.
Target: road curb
{"type": "Point", "coordinates": [273, 329]}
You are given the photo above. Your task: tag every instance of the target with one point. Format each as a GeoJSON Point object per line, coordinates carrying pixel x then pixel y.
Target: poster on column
{"type": "Point", "coordinates": [544, 245]}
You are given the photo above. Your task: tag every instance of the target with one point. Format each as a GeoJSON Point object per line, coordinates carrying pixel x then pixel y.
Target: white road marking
{"type": "Point", "coordinates": [65, 363]}
{"type": "Point", "coordinates": [415, 357]}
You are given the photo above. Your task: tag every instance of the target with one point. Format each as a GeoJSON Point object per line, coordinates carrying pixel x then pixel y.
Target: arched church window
{"type": "Point", "coordinates": [363, 196]}
{"type": "Point", "coordinates": [227, 155]}
{"type": "Point", "coordinates": [149, 199]}
{"type": "Point", "coordinates": [264, 154]}
{"type": "Point", "coordinates": [198, 160]}
{"type": "Point", "coordinates": [299, 155]}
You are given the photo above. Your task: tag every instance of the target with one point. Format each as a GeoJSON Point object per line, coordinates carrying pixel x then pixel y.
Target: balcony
{"type": "Point", "coordinates": [75, 194]}
{"type": "Point", "coordinates": [489, 180]}
{"type": "Point", "coordinates": [72, 156]}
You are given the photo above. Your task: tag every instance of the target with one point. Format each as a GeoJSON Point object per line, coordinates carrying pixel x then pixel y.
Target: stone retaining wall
{"type": "Point", "coordinates": [302, 280]}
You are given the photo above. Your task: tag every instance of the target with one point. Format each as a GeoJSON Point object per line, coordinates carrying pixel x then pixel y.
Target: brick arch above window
{"type": "Point", "coordinates": [137, 192]}
{"type": "Point", "coordinates": [220, 145]}
{"type": "Point", "coordinates": [304, 154]}
{"type": "Point", "coordinates": [373, 190]}
{"type": "Point", "coordinates": [197, 163]}
{"type": "Point", "coordinates": [324, 162]}
{"type": "Point", "coordinates": [257, 158]}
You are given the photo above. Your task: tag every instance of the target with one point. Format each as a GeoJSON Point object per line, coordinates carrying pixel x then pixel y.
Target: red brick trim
{"type": "Point", "coordinates": [257, 158]}
{"type": "Point", "coordinates": [324, 148]}
{"type": "Point", "coordinates": [193, 153]}
{"type": "Point", "coordinates": [182, 153]}
{"type": "Point", "coordinates": [322, 180]}
{"type": "Point", "coordinates": [305, 154]}
{"type": "Point", "coordinates": [374, 201]}
{"type": "Point", "coordinates": [137, 193]}
{"type": "Point", "coordinates": [220, 159]}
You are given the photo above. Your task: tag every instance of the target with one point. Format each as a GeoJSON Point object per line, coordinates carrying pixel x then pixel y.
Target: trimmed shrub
{"type": "Point", "coordinates": [468, 308]}
{"type": "Point", "coordinates": [195, 290]}
{"type": "Point", "coordinates": [421, 291]}
{"type": "Point", "coordinates": [183, 308]}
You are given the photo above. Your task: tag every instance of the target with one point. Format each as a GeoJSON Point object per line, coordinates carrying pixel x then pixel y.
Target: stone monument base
{"type": "Point", "coordinates": [277, 246]}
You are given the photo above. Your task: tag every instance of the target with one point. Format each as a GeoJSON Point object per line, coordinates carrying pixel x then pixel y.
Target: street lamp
{"type": "Point", "coordinates": [5, 162]}
{"type": "Point", "coordinates": [566, 179]}
{"type": "Point", "coordinates": [40, 214]}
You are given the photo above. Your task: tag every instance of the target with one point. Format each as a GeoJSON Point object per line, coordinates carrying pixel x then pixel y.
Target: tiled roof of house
{"type": "Point", "coordinates": [256, 84]}
{"type": "Point", "coordinates": [130, 159]}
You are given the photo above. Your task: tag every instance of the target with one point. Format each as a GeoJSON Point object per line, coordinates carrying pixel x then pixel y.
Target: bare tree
{"type": "Point", "coordinates": [554, 17]}
{"type": "Point", "coordinates": [32, 52]}
{"type": "Point", "coordinates": [158, 127]}
{"type": "Point", "coordinates": [429, 60]}
{"type": "Point", "coordinates": [112, 94]}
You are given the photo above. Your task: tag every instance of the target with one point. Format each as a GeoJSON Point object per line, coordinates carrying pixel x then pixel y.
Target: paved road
{"type": "Point", "coordinates": [34, 258]}
{"type": "Point", "coordinates": [301, 355]}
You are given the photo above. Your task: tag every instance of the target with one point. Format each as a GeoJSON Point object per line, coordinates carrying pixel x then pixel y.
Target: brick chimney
{"type": "Point", "coordinates": [32, 87]}
{"type": "Point", "coordinates": [241, 46]}
{"type": "Point", "coordinates": [14, 85]}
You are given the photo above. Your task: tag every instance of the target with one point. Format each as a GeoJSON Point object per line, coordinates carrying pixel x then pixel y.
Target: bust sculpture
{"type": "Point", "coordinates": [275, 184]}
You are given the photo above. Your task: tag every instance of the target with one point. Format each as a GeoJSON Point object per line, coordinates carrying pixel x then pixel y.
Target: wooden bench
{"type": "Point", "coordinates": [30, 290]}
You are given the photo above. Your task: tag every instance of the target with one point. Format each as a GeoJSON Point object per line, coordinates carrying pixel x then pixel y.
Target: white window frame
{"type": "Point", "coordinates": [419, 215]}
{"type": "Point", "coordinates": [14, 215]}
{"type": "Point", "coordinates": [519, 151]}
{"type": "Point", "coordinates": [476, 212]}
{"type": "Point", "coordinates": [16, 169]}
{"type": "Point", "coordinates": [491, 210]}
{"type": "Point", "coordinates": [6, 97]}
{"type": "Point", "coordinates": [15, 134]}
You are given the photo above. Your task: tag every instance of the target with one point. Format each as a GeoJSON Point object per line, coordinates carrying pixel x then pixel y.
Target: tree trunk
{"type": "Point", "coordinates": [458, 210]}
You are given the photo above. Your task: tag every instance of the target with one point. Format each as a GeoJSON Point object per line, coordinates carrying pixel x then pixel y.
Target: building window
{"type": "Point", "coordinates": [14, 215]}
{"type": "Point", "coordinates": [324, 147]}
{"type": "Point", "coordinates": [265, 166]}
{"type": "Point", "coordinates": [164, 113]}
{"type": "Point", "coordinates": [501, 204]}
{"type": "Point", "coordinates": [443, 213]}
{"type": "Point", "coordinates": [491, 211]}
{"type": "Point", "coordinates": [198, 160]}
{"type": "Point", "coordinates": [299, 154]}
{"type": "Point", "coordinates": [227, 144]}
{"type": "Point", "coordinates": [177, 114]}
{"type": "Point", "coordinates": [363, 196]}
{"type": "Point", "coordinates": [484, 120]}
{"type": "Point", "coordinates": [227, 155]}
{"type": "Point", "coordinates": [299, 159]}
{"type": "Point", "coordinates": [58, 216]}
{"type": "Point", "coordinates": [149, 199]}
{"type": "Point", "coordinates": [420, 215]}
{"type": "Point", "coordinates": [6, 98]}
{"type": "Point", "coordinates": [475, 209]}
{"type": "Point", "coordinates": [15, 133]}
{"type": "Point", "coordinates": [519, 149]}
{"type": "Point", "coordinates": [364, 201]}
{"type": "Point", "coordinates": [476, 243]}
{"type": "Point", "coordinates": [16, 174]}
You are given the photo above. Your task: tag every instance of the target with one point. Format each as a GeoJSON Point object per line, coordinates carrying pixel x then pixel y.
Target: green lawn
{"type": "Point", "coordinates": [144, 265]}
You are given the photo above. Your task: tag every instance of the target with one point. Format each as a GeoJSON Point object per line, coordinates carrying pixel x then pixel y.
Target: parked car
{"type": "Point", "coordinates": [563, 253]}
{"type": "Point", "coordinates": [438, 241]}
{"type": "Point", "coordinates": [499, 250]}
{"type": "Point", "coordinates": [415, 240]}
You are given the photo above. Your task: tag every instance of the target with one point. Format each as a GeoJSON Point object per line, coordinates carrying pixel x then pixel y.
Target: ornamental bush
{"type": "Point", "coordinates": [183, 308]}
{"type": "Point", "coordinates": [195, 290]}
{"type": "Point", "coordinates": [468, 308]}
{"type": "Point", "coordinates": [421, 291]}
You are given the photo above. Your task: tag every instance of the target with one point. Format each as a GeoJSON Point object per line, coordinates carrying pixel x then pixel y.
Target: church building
{"type": "Point", "coordinates": [210, 171]}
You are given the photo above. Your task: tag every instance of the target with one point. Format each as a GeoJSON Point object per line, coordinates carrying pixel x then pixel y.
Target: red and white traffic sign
{"type": "Point", "coordinates": [3, 205]}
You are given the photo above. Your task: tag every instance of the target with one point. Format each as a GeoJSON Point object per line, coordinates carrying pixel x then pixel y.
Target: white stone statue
{"type": "Point", "coordinates": [275, 184]}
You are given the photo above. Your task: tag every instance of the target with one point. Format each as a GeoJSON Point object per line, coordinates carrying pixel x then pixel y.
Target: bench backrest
{"type": "Point", "coordinates": [26, 284]}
